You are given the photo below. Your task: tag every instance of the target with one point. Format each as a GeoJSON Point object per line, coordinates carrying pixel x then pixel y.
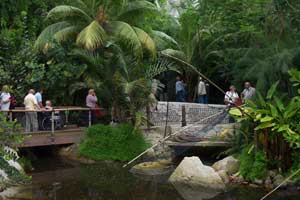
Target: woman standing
{"type": "Point", "coordinates": [231, 96]}
{"type": "Point", "coordinates": [5, 98]}
{"type": "Point", "coordinates": [91, 102]}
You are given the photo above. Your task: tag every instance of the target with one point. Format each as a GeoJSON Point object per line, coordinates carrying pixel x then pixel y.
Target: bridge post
{"type": "Point", "coordinates": [11, 116]}
{"type": "Point", "coordinates": [90, 118]}
{"type": "Point", "coordinates": [183, 116]}
{"type": "Point", "coordinates": [52, 126]}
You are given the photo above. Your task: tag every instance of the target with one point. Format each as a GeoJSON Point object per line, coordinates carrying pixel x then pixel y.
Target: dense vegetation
{"type": "Point", "coordinates": [118, 47]}
{"type": "Point", "coordinates": [112, 143]}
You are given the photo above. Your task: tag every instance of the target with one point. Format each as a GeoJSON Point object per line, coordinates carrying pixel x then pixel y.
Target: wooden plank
{"type": "Point", "coordinates": [58, 139]}
{"type": "Point", "coordinates": [199, 144]}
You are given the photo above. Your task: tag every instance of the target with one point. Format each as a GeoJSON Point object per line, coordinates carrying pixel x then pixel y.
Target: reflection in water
{"type": "Point", "coordinates": [192, 193]}
{"type": "Point", "coordinates": [109, 181]}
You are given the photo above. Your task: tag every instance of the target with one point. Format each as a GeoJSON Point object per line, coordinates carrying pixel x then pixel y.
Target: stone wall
{"type": "Point", "coordinates": [194, 113]}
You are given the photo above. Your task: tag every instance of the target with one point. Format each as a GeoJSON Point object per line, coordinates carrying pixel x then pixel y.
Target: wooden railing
{"type": "Point", "coordinates": [65, 109]}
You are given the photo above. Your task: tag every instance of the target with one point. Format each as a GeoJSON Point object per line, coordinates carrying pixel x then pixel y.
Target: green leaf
{"type": "Point", "coordinates": [264, 125]}
{"type": "Point", "coordinates": [279, 104]}
{"type": "Point", "coordinates": [261, 100]}
{"type": "Point", "coordinates": [283, 128]}
{"type": "Point", "coordinates": [272, 90]}
{"type": "Point", "coordinates": [235, 112]}
{"type": "Point", "coordinates": [266, 119]}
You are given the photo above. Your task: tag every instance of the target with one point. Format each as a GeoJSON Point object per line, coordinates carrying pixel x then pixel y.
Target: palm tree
{"type": "Point", "coordinates": [93, 24]}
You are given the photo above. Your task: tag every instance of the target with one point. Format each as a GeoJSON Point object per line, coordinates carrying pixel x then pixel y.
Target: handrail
{"type": "Point", "coordinates": [71, 108]}
{"type": "Point", "coordinates": [52, 111]}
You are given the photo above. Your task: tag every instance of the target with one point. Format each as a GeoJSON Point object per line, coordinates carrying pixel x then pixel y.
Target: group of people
{"type": "Point", "coordinates": [231, 96]}
{"type": "Point", "coordinates": [182, 92]}
{"type": "Point", "coordinates": [34, 106]}
{"type": "Point", "coordinates": [33, 102]}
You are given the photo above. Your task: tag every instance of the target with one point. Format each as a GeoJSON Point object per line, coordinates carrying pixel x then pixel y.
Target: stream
{"type": "Point", "coordinates": [58, 179]}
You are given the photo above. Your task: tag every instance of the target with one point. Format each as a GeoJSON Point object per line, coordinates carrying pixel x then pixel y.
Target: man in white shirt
{"type": "Point", "coordinates": [31, 106]}
{"type": "Point", "coordinates": [248, 92]}
{"type": "Point", "coordinates": [5, 98]}
{"type": "Point", "coordinates": [202, 93]}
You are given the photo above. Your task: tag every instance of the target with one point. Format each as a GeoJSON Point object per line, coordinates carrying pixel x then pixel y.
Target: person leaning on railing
{"type": "Point", "coordinates": [91, 102]}
{"type": "Point", "coordinates": [31, 106]}
{"type": "Point", "coordinates": [5, 99]}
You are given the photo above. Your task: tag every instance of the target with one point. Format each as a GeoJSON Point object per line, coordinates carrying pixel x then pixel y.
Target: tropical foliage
{"type": "Point", "coordinates": [275, 124]}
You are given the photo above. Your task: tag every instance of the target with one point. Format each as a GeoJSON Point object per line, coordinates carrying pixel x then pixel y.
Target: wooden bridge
{"type": "Point", "coordinates": [70, 133]}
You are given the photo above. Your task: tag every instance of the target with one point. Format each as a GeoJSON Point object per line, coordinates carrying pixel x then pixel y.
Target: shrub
{"type": "Point", "coordinates": [259, 167]}
{"type": "Point", "coordinates": [112, 143]}
{"type": "Point", "coordinates": [246, 160]}
{"type": "Point", "coordinates": [253, 164]}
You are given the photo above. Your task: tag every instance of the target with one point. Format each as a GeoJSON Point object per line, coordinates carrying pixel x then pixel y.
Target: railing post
{"type": "Point", "coordinates": [67, 117]}
{"type": "Point", "coordinates": [52, 126]}
{"type": "Point", "coordinates": [183, 116]}
{"type": "Point", "coordinates": [10, 116]}
{"type": "Point", "coordinates": [90, 118]}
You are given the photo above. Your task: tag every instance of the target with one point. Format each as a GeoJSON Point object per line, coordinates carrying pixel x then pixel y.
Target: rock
{"type": "Point", "coordinates": [258, 182]}
{"type": "Point", "coordinates": [223, 174]}
{"type": "Point", "coordinates": [253, 185]}
{"type": "Point", "coordinates": [268, 181]}
{"type": "Point", "coordinates": [151, 153]}
{"type": "Point", "coordinates": [3, 175]}
{"type": "Point", "coordinates": [192, 173]}
{"type": "Point", "coordinates": [229, 164]}
{"type": "Point", "coordinates": [272, 173]}
{"type": "Point", "coordinates": [153, 168]}
{"type": "Point", "coordinates": [278, 179]}
{"type": "Point", "coordinates": [16, 165]}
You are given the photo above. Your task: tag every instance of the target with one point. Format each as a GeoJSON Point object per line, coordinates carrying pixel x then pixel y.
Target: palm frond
{"type": "Point", "coordinates": [66, 33]}
{"type": "Point", "coordinates": [175, 53]}
{"type": "Point", "coordinates": [126, 33]}
{"type": "Point", "coordinates": [146, 41]}
{"type": "Point", "coordinates": [46, 36]}
{"type": "Point", "coordinates": [162, 65]}
{"type": "Point", "coordinates": [65, 12]}
{"type": "Point", "coordinates": [93, 60]}
{"type": "Point", "coordinates": [92, 36]}
{"type": "Point", "coordinates": [165, 37]}
{"type": "Point", "coordinates": [140, 6]}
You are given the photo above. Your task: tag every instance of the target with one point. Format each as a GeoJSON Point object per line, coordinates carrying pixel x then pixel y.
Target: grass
{"type": "Point", "coordinates": [104, 142]}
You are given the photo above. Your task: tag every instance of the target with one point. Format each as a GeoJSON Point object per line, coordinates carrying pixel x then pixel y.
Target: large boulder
{"type": "Point", "coordinates": [228, 164]}
{"type": "Point", "coordinates": [192, 173]}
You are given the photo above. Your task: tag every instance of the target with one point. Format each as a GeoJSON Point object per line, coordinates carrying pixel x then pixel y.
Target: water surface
{"type": "Point", "coordinates": [56, 179]}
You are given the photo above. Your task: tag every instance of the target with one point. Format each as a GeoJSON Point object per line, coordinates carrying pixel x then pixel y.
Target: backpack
{"type": "Point", "coordinates": [12, 103]}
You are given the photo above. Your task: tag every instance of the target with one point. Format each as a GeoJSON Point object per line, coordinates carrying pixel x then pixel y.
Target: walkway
{"type": "Point", "coordinates": [64, 125]}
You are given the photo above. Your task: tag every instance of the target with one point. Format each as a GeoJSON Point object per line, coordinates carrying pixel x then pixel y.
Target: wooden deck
{"type": "Point", "coordinates": [44, 138]}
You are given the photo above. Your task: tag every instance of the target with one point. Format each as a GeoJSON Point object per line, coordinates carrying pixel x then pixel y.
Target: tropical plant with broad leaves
{"type": "Point", "coordinates": [93, 23]}
{"type": "Point", "coordinates": [274, 115]}
{"type": "Point", "coordinates": [274, 124]}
